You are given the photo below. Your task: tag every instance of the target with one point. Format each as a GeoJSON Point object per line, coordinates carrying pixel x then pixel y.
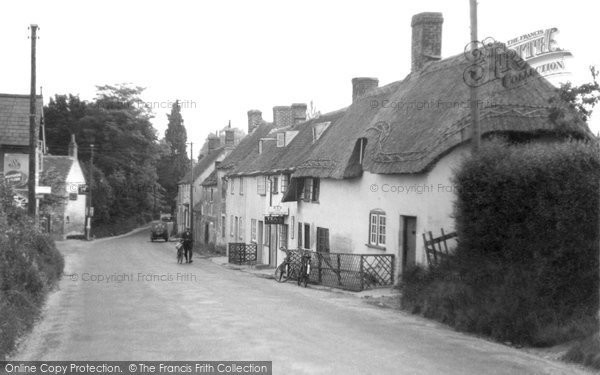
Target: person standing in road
{"type": "Point", "coordinates": [188, 244]}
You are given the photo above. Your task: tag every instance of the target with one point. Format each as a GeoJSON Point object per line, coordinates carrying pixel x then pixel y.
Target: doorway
{"type": "Point", "coordinates": [409, 241]}
{"type": "Point", "coordinates": [206, 234]}
{"type": "Point", "coordinates": [273, 246]}
{"type": "Point", "coordinates": [259, 243]}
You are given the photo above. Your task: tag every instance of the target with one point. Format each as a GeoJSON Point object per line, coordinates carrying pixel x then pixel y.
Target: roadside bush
{"type": "Point", "coordinates": [30, 265]}
{"type": "Point", "coordinates": [586, 352]}
{"type": "Point", "coordinates": [525, 268]}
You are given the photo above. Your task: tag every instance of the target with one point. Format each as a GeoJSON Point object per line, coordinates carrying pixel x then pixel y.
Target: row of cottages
{"type": "Point", "coordinates": [372, 177]}
{"type": "Point", "coordinates": [62, 211]}
{"type": "Point", "coordinates": [216, 148]}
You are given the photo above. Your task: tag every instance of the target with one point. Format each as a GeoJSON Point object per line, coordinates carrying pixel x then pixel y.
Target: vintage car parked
{"type": "Point", "coordinates": [161, 228]}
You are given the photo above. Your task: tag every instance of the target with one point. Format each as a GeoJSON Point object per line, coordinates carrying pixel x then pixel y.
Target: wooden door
{"type": "Point", "coordinates": [409, 241]}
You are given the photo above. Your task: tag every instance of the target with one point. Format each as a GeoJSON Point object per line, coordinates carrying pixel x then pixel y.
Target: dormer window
{"type": "Point", "coordinates": [280, 139]}
{"type": "Point", "coordinates": [319, 129]}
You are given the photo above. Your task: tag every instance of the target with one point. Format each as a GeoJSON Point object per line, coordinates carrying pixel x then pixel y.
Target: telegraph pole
{"type": "Point", "coordinates": [33, 133]}
{"type": "Point", "coordinates": [192, 189]}
{"type": "Point", "coordinates": [90, 210]}
{"type": "Point", "coordinates": [476, 126]}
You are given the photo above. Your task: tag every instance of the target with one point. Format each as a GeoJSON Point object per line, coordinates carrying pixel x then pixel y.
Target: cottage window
{"type": "Point", "coordinates": [283, 236]}
{"type": "Point", "coordinates": [261, 185]}
{"type": "Point", "coordinates": [307, 236]}
{"type": "Point", "coordinates": [285, 182]}
{"type": "Point", "coordinates": [280, 139]}
{"type": "Point", "coordinates": [293, 226]}
{"type": "Point", "coordinates": [377, 228]}
{"type": "Point", "coordinates": [231, 185]}
{"type": "Point", "coordinates": [310, 190]}
{"type": "Point", "coordinates": [253, 230]}
{"type": "Point", "coordinates": [211, 194]}
{"type": "Point", "coordinates": [241, 185]}
{"type": "Point", "coordinates": [231, 226]}
{"type": "Point", "coordinates": [275, 185]}
{"type": "Point", "coordinates": [241, 230]}
{"type": "Point", "coordinates": [299, 235]}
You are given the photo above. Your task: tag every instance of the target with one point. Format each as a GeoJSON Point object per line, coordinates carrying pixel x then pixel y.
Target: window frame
{"type": "Point", "coordinates": [377, 229]}
{"type": "Point", "coordinates": [253, 229]}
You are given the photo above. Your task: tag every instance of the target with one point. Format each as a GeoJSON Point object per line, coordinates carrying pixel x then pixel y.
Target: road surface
{"type": "Point", "coordinates": [126, 299]}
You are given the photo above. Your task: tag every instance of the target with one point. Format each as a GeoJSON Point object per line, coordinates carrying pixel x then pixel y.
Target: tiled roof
{"type": "Point", "coordinates": [203, 164]}
{"type": "Point", "coordinates": [14, 118]}
{"type": "Point", "coordinates": [211, 180]}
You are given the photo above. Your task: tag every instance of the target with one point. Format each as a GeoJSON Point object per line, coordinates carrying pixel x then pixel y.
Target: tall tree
{"type": "Point", "coordinates": [173, 165]}
{"type": "Point", "coordinates": [175, 134]}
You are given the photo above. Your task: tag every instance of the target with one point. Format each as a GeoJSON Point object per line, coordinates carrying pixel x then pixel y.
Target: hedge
{"type": "Point", "coordinates": [30, 265]}
{"type": "Point", "coordinates": [525, 268]}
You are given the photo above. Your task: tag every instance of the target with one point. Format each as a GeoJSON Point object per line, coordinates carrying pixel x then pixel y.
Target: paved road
{"type": "Point", "coordinates": [207, 312]}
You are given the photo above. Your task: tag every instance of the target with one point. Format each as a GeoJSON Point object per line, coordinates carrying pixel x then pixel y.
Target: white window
{"type": "Point", "coordinates": [280, 139]}
{"type": "Point", "coordinates": [283, 236]}
{"type": "Point", "coordinates": [241, 230]}
{"type": "Point", "coordinates": [231, 226]}
{"type": "Point", "coordinates": [253, 230]}
{"type": "Point", "coordinates": [285, 182]}
{"type": "Point", "coordinates": [261, 183]}
{"type": "Point", "coordinates": [241, 185]}
{"type": "Point", "coordinates": [231, 185]}
{"type": "Point", "coordinates": [275, 185]}
{"type": "Point", "coordinates": [377, 228]}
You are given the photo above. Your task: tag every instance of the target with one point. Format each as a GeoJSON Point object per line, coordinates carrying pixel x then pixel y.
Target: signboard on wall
{"type": "Point", "coordinates": [16, 170]}
{"type": "Point", "coordinates": [273, 220]}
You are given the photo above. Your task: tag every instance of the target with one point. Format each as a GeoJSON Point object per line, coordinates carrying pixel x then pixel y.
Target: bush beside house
{"type": "Point", "coordinates": [525, 269]}
{"type": "Point", "coordinates": [30, 265]}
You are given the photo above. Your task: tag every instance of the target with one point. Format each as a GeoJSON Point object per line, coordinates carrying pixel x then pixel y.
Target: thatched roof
{"type": "Point", "coordinates": [59, 167]}
{"type": "Point", "coordinates": [408, 125]}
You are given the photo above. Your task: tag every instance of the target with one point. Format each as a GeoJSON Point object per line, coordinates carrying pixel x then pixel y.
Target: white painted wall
{"type": "Point", "coordinates": [344, 207]}
{"type": "Point", "coordinates": [75, 209]}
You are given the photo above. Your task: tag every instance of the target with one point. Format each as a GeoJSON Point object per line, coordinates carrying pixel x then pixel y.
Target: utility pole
{"type": "Point", "coordinates": [476, 126]}
{"type": "Point", "coordinates": [90, 210]}
{"type": "Point", "coordinates": [192, 189]}
{"type": "Point", "coordinates": [33, 134]}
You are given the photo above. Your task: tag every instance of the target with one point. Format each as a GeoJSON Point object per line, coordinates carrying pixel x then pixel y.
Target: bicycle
{"type": "Point", "coordinates": [304, 275]}
{"type": "Point", "coordinates": [286, 270]}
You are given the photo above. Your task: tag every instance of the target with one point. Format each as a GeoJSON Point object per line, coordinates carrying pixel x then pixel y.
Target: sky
{"type": "Point", "coordinates": [223, 58]}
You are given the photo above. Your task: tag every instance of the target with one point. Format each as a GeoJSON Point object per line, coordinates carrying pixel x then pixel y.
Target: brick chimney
{"type": "Point", "coordinates": [254, 119]}
{"type": "Point", "coordinates": [426, 38]}
{"type": "Point", "coordinates": [213, 143]}
{"type": "Point", "coordinates": [282, 116]}
{"type": "Point", "coordinates": [299, 112]}
{"type": "Point", "coordinates": [362, 85]}
{"type": "Point", "coordinates": [73, 147]}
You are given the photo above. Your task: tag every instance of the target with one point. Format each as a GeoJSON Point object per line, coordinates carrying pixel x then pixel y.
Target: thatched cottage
{"type": "Point", "coordinates": [370, 178]}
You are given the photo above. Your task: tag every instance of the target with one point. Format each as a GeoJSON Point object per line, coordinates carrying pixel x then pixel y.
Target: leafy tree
{"type": "Point", "coordinates": [125, 148]}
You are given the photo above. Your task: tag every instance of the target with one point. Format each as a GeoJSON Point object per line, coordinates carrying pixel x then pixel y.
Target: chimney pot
{"type": "Point", "coordinates": [282, 116]}
{"type": "Point", "coordinates": [213, 143]}
{"type": "Point", "coordinates": [299, 112]}
{"type": "Point", "coordinates": [361, 86]}
{"type": "Point", "coordinates": [73, 147]}
{"type": "Point", "coordinates": [426, 38]}
{"type": "Point", "coordinates": [254, 119]}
